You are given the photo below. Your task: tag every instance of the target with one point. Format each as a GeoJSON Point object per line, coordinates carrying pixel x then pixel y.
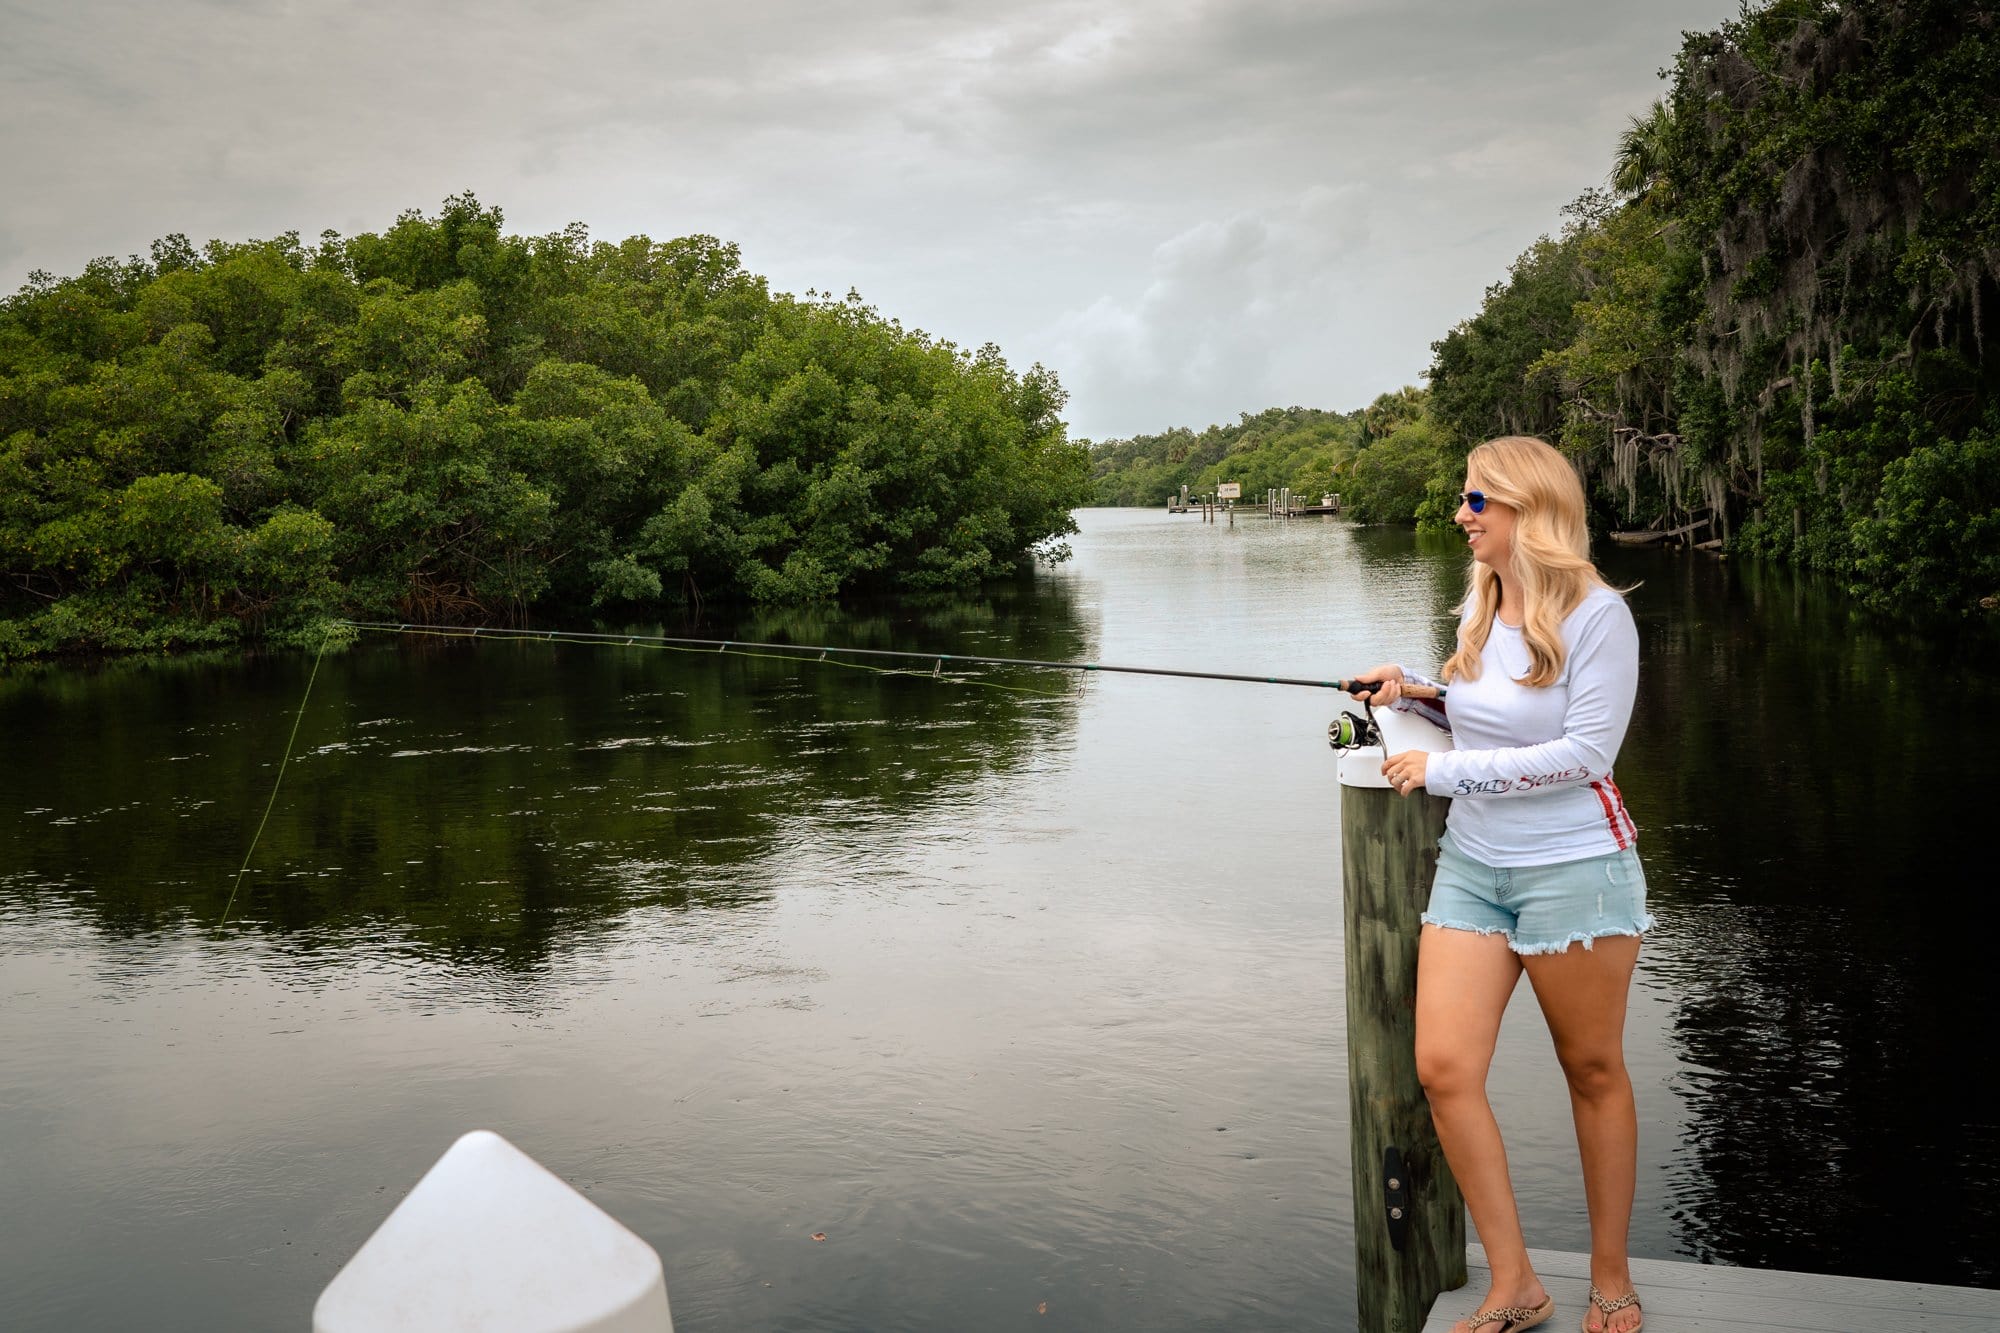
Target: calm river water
{"type": "Point", "coordinates": [1029, 1002]}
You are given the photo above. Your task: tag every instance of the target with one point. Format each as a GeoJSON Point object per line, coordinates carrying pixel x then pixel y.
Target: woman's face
{"type": "Point", "coordinates": [1490, 533]}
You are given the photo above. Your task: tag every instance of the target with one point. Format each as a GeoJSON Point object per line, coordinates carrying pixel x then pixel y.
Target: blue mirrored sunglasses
{"type": "Point", "coordinates": [1473, 500]}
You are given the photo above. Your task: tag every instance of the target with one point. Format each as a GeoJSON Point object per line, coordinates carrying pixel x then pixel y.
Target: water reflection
{"type": "Point", "coordinates": [1814, 781]}
{"type": "Point", "coordinates": [1018, 999]}
{"type": "Point", "coordinates": [478, 801]}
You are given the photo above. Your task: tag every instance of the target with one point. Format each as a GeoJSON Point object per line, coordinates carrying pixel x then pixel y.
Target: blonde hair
{"type": "Point", "coordinates": [1549, 561]}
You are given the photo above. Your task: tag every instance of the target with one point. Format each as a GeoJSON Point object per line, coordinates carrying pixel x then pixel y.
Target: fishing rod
{"type": "Point", "coordinates": [1347, 731]}
{"type": "Point", "coordinates": [803, 652]}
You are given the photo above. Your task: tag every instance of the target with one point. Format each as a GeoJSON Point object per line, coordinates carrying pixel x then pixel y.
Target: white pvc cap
{"type": "Point", "coordinates": [490, 1240]}
{"type": "Point", "coordinates": [1400, 731]}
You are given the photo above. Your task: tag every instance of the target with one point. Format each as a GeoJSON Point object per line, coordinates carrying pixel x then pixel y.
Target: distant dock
{"type": "Point", "coordinates": [1279, 502]}
{"type": "Point", "coordinates": [1683, 1297]}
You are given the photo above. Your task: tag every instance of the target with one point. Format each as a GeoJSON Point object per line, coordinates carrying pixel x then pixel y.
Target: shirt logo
{"type": "Point", "coordinates": [1526, 782]}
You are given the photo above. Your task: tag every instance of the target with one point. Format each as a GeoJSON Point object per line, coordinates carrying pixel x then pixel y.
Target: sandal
{"type": "Point", "coordinates": [1513, 1318]}
{"type": "Point", "coordinates": [1609, 1308]}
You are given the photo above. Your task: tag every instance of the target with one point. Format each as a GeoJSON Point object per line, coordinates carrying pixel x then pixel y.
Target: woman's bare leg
{"type": "Point", "coordinates": [1463, 981]}
{"type": "Point", "coordinates": [1583, 995]}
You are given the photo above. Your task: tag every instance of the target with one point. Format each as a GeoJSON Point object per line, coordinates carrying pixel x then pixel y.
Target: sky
{"type": "Point", "coordinates": [1189, 209]}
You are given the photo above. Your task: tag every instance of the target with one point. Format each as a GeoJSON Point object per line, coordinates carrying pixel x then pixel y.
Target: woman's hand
{"type": "Point", "coordinates": [1405, 771]}
{"type": "Point", "coordinates": [1387, 680]}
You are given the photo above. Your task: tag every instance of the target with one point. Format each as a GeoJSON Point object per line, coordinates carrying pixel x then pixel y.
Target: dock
{"type": "Point", "coordinates": [1279, 502]}
{"type": "Point", "coordinates": [1679, 1297]}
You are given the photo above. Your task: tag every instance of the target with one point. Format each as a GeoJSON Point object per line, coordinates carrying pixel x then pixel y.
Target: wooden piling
{"type": "Point", "coordinates": [1409, 1218]}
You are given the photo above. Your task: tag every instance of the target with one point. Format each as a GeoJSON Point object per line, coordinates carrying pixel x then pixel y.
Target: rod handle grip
{"type": "Point", "coordinates": [1367, 687]}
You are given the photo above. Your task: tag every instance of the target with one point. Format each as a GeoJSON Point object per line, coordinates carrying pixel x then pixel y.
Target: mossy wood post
{"type": "Point", "coordinates": [1409, 1219]}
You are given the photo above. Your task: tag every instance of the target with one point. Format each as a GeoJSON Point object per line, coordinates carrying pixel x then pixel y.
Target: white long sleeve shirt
{"type": "Point", "coordinates": [1530, 774]}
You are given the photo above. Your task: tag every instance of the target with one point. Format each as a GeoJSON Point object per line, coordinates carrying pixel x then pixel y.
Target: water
{"type": "Point", "coordinates": [1028, 1002]}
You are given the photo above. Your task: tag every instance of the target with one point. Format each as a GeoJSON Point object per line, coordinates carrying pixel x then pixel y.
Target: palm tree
{"type": "Point", "coordinates": [1640, 165]}
{"type": "Point", "coordinates": [1390, 410]}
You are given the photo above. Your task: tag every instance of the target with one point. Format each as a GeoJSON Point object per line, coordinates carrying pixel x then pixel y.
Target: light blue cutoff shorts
{"type": "Point", "coordinates": [1540, 909]}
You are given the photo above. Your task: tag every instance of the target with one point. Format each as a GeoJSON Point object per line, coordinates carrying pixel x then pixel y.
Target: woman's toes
{"type": "Point", "coordinates": [1622, 1320]}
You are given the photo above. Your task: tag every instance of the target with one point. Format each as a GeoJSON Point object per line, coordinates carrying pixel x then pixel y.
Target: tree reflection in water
{"type": "Point", "coordinates": [1809, 785]}
{"type": "Point", "coordinates": [480, 801]}
{"type": "Point", "coordinates": [1816, 791]}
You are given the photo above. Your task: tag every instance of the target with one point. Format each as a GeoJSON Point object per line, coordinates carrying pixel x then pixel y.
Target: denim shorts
{"type": "Point", "coordinates": [1540, 909]}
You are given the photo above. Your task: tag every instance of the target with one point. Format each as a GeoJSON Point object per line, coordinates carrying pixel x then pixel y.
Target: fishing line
{"type": "Point", "coordinates": [777, 652]}
{"type": "Point", "coordinates": [713, 648]}
{"type": "Point", "coordinates": [797, 652]}
{"type": "Point", "coordinates": [599, 640]}
{"type": "Point", "coordinates": [282, 765]}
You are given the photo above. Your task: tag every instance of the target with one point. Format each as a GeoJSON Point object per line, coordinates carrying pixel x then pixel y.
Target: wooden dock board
{"type": "Point", "coordinates": [1680, 1297]}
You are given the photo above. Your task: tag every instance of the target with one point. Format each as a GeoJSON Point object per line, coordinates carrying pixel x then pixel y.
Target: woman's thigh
{"type": "Point", "coordinates": [1464, 978]}
{"type": "Point", "coordinates": [1582, 992]}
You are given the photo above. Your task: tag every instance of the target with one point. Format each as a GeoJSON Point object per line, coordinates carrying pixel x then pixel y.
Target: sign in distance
{"type": "Point", "coordinates": [1229, 490]}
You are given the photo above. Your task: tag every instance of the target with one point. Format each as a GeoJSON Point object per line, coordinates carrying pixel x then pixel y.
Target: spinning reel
{"type": "Point", "coordinates": [1352, 731]}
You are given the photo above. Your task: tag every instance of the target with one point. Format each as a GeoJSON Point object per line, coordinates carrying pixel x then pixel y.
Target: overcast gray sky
{"type": "Point", "coordinates": [1188, 208]}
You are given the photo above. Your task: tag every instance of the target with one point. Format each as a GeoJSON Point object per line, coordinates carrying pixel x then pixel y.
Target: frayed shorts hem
{"type": "Point", "coordinates": [1540, 909]}
{"type": "Point", "coordinates": [1531, 948]}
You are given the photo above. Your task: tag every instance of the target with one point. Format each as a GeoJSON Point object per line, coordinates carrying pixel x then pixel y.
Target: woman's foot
{"type": "Point", "coordinates": [1509, 1309]}
{"type": "Point", "coordinates": [1614, 1308]}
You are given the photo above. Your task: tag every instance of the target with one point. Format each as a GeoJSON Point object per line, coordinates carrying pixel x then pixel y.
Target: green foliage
{"type": "Point", "coordinates": [1439, 506]}
{"type": "Point", "coordinates": [1485, 377]}
{"type": "Point", "coordinates": [445, 422]}
{"type": "Point", "coordinates": [1381, 460]}
{"type": "Point", "coordinates": [1933, 541]}
{"type": "Point", "coordinates": [1303, 448]}
{"type": "Point", "coordinates": [1390, 412]}
{"type": "Point", "coordinates": [1389, 480]}
{"type": "Point", "coordinates": [1782, 328]}
{"type": "Point", "coordinates": [1639, 166]}
{"type": "Point", "coordinates": [1620, 358]}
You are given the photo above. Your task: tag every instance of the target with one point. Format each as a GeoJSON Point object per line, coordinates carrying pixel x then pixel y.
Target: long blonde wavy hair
{"type": "Point", "coordinates": [1549, 562]}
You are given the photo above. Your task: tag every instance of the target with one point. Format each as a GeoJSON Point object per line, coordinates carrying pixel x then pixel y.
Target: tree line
{"type": "Point", "coordinates": [1771, 321]}
{"type": "Point", "coordinates": [446, 422]}
{"type": "Point", "coordinates": [1379, 458]}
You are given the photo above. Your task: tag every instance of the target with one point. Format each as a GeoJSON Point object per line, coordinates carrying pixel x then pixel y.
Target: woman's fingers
{"type": "Point", "coordinates": [1385, 684]}
{"type": "Point", "coordinates": [1404, 771]}
{"type": "Point", "coordinates": [1377, 690]}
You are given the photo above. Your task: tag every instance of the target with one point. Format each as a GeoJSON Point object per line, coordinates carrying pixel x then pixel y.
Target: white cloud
{"type": "Point", "coordinates": [1189, 208]}
{"type": "Point", "coordinates": [1216, 322]}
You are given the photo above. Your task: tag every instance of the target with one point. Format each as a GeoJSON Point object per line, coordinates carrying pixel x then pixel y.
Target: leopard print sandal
{"type": "Point", "coordinates": [1512, 1318]}
{"type": "Point", "coordinates": [1609, 1308]}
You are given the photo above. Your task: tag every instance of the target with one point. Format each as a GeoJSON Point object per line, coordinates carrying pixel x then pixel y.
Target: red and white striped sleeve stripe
{"type": "Point", "coordinates": [1623, 830]}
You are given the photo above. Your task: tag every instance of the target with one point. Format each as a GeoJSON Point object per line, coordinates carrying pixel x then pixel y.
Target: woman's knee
{"type": "Point", "coordinates": [1596, 1073]}
{"type": "Point", "coordinates": [1450, 1069]}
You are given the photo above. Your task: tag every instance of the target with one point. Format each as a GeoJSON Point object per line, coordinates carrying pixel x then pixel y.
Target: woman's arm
{"type": "Point", "coordinates": [1603, 680]}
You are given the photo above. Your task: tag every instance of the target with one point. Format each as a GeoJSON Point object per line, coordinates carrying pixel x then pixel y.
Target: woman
{"type": "Point", "coordinates": [1536, 871]}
